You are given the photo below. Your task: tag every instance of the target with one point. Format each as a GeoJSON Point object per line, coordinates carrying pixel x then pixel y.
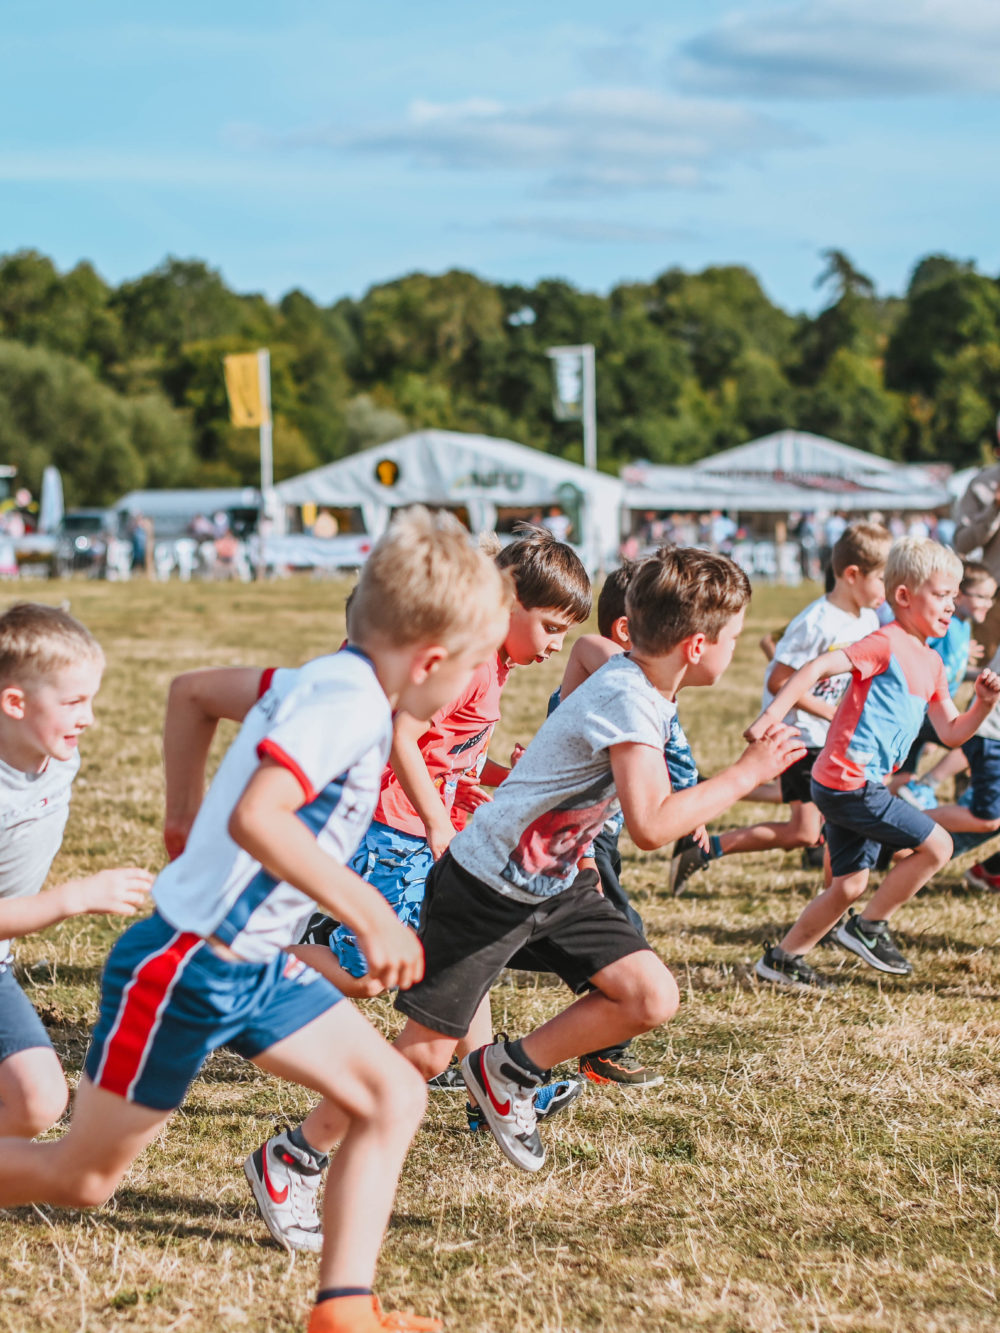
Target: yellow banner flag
{"type": "Point", "coordinates": [243, 387]}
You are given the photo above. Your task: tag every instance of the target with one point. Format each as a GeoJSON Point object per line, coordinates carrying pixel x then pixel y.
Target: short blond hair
{"type": "Point", "coordinates": [912, 561]}
{"type": "Point", "coordinates": [36, 641]}
{"type": "Point", "coordinates": [425, 582]}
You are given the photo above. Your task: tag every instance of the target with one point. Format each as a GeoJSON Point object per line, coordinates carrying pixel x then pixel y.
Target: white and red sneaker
{"type": "Point", "coordinates": [978, 877]}
{"type": "Point", "coordinates": [285, 1183]}
{"type": "Point", "coordinates": [506, 1096]}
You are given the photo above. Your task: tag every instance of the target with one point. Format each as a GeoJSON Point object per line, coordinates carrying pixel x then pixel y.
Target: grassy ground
{"type": "Point", "coordinates": [827, 1163]}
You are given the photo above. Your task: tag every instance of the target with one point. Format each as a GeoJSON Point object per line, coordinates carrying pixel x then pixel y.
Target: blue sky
{"type": "Point", "coordinates": [330, 146]}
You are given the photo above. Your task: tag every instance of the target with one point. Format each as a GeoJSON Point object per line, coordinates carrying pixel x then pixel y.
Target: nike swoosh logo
{"type": "Point", "coordinates": [501, 1110]}
{"type": "Point", "coordinates": [279, 1196]}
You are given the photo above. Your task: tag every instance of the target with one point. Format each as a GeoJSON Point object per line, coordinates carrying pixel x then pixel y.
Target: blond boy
{"type": "Point", "coordinates": [211, 967]}
{"type": "Point", "coordinates": [50, 671]}
{"type": "Point", "coordinates": [894, 675]}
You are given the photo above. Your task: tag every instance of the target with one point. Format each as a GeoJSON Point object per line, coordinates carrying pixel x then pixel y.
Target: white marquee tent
{"type": "Point", "coordinates": [474, 472]}
{"type": "Point", "coordinates": [790, 471]}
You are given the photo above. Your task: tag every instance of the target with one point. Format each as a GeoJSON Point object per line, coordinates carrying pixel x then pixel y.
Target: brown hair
{"type": "Point", "coordinates": [681, 591]}
{"type": "Point", "coordinates": [863, 544]}
{"type": "Point", "coordinates": [547, 573]}
{"type": "Point", "coordinates": [37, 640]}
{"type": "Point", "coordinates": [972, 573]}
{"type": "Point", "coordinates": [611, 602]}
{"type": "Point", "coordinates": [425, 582]}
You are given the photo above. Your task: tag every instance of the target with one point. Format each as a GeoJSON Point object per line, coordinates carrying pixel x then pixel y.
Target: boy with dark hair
{"type": "Point", "coordinates": [510, 878]}
{"type": "Point", "coordinates": [840, 617]}
{"type": "Point", "coordinates": [894, 675]}
{"type": "Point", "coordinates": [211, 966]}
{"type": "Point", "coordinates": [50, 671]}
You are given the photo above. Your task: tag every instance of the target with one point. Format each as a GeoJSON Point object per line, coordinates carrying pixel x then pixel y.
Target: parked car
{"type": "Point", "coordinates": [81, 542]}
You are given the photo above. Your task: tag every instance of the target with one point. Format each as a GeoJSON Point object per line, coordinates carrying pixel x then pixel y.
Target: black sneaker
{"type": "Point", "coordinates": [319, 929]}
{"type": "Point", "coordinates": [450, 1080]}
{"type": "Point", "coordinates": [812, 857]}
{"type": "Point", "coordinates": [687, 860]}
{"type": "Point", "coordinates": [790, 969]}
{"type": "Point", "coordinates": [619, 1067]}
{"type": "Point", "coordinates": [872, 943]}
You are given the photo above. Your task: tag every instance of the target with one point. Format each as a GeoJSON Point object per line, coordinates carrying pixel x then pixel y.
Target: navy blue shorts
{"type": "Point", "coordinates": [168, 1000]}
{"type": "Point", "coordinates": [983, 796]}
{"type": "Point", "coordinates": [20, 1027]}
{"type": "Point", "coordinates": [859, 823]}
{"type": "Point", "coordinates": [925, 736]}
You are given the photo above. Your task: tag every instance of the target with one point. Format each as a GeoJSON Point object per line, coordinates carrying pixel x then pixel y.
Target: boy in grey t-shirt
{"type": "Point", "coordinates": [510, 878]}
{"type": "Point", "coordinates": [50, 670]}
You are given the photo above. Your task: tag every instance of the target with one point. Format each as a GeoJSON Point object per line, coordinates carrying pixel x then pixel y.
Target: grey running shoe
{"type": "Point", "coordinates": [791, 970]}
{"type": "Point", "coordinates": [687, 860]}
{"type": "Point", "coordinates": [450, 1080]}
{"type": "Point", "coordinates": [619, 1067]}
{"type": "Point", "coordinates": [873, 944]}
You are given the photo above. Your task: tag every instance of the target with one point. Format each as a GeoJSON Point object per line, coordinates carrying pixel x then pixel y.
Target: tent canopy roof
{"type": "Point", "coordinates": [446, 467]}
{"type": "Point", "coordinates": [796, 453]}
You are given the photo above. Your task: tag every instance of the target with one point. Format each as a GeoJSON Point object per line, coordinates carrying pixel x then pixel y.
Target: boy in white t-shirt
{"type": "Point", "coordinates": [842, 616]}
{"type": "Point", "coordinates": [212, 966]}
{"type": "Point", "coordinates": [50, 671]}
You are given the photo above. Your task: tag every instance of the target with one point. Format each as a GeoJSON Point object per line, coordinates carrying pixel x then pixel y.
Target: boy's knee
{"type": "Point", "coordinates": [32, 1107]}
{"type": "Point", "coordinates": [939, 846]}
{"type": "Point", "coordinates": [649, 992]}
{"type": "Point", "coordinates": [92, 1189]}
{"type": "Point", "coordinates": [429, 1061]}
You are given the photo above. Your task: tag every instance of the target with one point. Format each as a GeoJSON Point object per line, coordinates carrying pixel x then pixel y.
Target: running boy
{"type": "Point", "coordinates": [210, 967]}
{"type": "Point", "coordinates": [844, 615]}
{"type": "Point", "coordinates": [893, 676]}
{"type": "Point", "coordinates": [510, 878]}
{"type": "Point", "coordinates": [50, 671]}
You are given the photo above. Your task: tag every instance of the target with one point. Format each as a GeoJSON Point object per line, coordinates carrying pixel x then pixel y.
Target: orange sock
{"type": "Point", "coordinates": [363, 1314]}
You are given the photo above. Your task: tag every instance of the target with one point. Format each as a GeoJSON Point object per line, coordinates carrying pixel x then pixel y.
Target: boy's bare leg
{"type": "Point", "coordinates": [379, 1100]}
{"type": "Point", "coordinates": [633, 995]}
{"type": "Point", "coordinates": [823, 913]}
{"type": "Point", "coordinates": [908, 876]}
{"type": "Point", "coordinates": [480, 1031]}
{"type": "Point", "coordinates": [84, 1167]}
{"type": "Point", "coordinates": [33, 1092]}
{"type": "Point", "coordinates": [960, 819]}
{"type": "Point", "coordinates": [802, 829]}
{"type": "Point", "coordinates": [953, 763]}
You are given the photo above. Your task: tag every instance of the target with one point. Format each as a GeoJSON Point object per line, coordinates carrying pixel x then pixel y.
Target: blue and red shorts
{"type": "Point", "coordinates": [168, 1000]}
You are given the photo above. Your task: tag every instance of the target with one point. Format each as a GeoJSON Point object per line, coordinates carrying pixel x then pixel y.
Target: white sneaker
{"type": "Point", "coordinates": [506, 1096]}
{"type": "Point", "coordinates": [285, 1184]}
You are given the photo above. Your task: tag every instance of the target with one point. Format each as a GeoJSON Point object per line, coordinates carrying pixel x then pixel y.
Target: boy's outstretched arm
{"type": "Point", "coordinates": [196, 702]}
{"type": "Point", "coordinates": [264, 823]}
{"type": "Point", "coordinates": [809, 703]}
{"type": "Point", "coordinates": [417, 783]}
{"type": "Point", "coordinates": [955, 728]}
{"type": "Point", "coordinates": [118, 892]}
{"type": "Point", "coordinates": [654, 814]}
{"type": "Point", "coordinates": [836, 663]}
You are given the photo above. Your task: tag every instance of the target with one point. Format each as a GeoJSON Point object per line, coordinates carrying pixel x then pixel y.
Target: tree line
{"type": "Point", "coordinates": [121, 387]}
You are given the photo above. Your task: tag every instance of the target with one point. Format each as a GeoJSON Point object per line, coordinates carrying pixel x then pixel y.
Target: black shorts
{"type": "Point", "coordinates": [471, 933]}
{"type": "Point", "coordinates": [925, 736]}
{"type": "Point", "coordinates": [795, 780]}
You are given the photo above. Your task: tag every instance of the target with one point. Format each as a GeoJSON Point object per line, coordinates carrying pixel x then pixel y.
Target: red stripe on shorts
{"type": "Point", "coordinates": [142, 1004]}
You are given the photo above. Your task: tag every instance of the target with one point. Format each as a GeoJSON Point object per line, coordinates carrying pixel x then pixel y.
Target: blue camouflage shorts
{"type": "Point", "coordinates": [397, 864]}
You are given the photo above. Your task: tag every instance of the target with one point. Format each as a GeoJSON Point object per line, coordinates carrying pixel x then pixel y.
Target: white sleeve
{"type": "Point", "coordinates": [321, 732]}
{"type": "Point", "coordinates": [800, 643]}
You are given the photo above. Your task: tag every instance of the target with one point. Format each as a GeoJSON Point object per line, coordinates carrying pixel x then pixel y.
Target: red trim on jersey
{"type": "Point", "coordinates": [266, 676]}
{"type": "Point", "coordinates": [270, 749]}
{"type": "Point", "coordinates": [142, 1004]}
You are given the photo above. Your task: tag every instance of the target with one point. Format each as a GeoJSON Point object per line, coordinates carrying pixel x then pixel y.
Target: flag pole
{"type": "Point", "coordinates": [266, 456]}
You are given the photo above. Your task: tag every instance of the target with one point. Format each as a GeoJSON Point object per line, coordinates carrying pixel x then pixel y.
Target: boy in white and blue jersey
{"type": "Point", "coordinates": [213, 967]}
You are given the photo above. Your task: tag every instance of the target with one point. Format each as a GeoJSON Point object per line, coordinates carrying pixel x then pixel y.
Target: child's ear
{"type": "Point", "coordinates": [425, 662]}
{"type": "Point", "coordinates": [901, 597]}
{"type": "Point", "coordinates": [12, 702]}
{"type": "Point", "coordinates": [851, 574]}
{"type": "Point", "coordinates": [694, 646]}
{"type": "Point", "coordinates": [619, 630]}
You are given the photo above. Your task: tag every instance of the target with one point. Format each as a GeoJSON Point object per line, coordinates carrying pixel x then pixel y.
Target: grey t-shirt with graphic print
{"type": "Point", "coordinates": [527, 841]}
{"type": "Point", "coordinates": [33, 812]}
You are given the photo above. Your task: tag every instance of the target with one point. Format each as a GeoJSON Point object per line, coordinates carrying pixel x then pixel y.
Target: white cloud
{"type": "Point", "coordinates": [585, 142]}
{"type": "Point", "coordinates": [848, 48]}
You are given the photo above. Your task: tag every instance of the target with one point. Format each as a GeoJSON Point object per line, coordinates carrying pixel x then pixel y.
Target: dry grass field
{"type": "Point", "coordinates": [817, 1163]}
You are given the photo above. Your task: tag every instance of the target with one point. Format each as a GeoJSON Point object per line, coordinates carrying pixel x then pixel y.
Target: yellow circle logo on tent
{"type": "Point", "coordinates": [387, 472]}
